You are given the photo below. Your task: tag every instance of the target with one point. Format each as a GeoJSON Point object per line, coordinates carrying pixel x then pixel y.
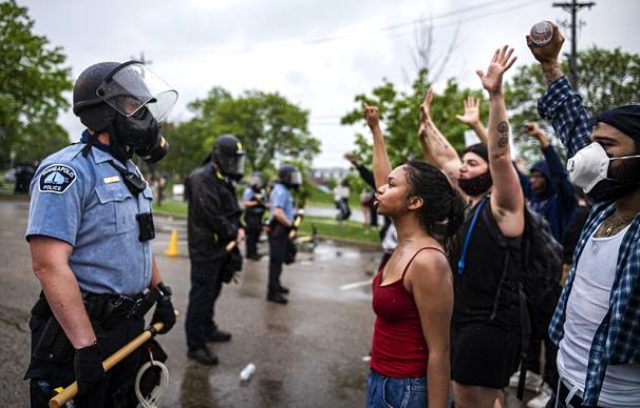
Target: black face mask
{"type": "Point", "coordinates": [477, 185]}
{"type": "Point", "coordinates": [140, 134]}
{"type": "Point", "coordinates": [156, 152]}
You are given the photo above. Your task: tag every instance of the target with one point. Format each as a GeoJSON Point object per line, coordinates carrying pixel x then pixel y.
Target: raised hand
{"type": "Point", "coordinates": [532, 129]}
{"type": "Point", "coordinates": [471, 111]}
{"type": "Point", "coordinates": [500, 63]}
{"type": "Point", "coordinates": [425, 106]}
{"type": "Point", "coordinates": [351, 157]}
{"type": "Point", "coordinates": [371, 115]}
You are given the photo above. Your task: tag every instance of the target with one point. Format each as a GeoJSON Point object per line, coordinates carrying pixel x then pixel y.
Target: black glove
{"type": "Point", "coordinates": [87, 364]}
{"type": "Point", "coordinates": [165, 314]}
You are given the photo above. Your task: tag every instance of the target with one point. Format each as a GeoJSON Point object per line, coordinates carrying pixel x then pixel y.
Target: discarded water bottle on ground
{"type": "Point", "coordinates": [247, 372]}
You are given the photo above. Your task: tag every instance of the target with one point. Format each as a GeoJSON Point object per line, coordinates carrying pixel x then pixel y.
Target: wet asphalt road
{"type": "Point", "coordinates": [307, 354]}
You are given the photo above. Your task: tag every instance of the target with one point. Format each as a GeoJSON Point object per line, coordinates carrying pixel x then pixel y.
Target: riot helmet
{"type": "Point", "coordinates": [289, 176]}
{"type": "Point", "coordinates": [256, 181]}
{"type": "Point", "coordinates": [228, 156]}
{"type": "Point", "coordinates": [127, 101]}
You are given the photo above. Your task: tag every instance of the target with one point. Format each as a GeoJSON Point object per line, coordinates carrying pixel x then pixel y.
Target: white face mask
{"type": "Point", "coordinates": [590, 165]}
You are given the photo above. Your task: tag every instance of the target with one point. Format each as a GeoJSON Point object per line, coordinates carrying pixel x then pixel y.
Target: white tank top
{"type": "Point", "coordinates": [587, 305]}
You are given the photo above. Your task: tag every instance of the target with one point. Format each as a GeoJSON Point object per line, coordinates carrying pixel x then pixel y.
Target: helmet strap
{"type": "Point", "coordinates": [87, 147]}
{"type": "Point", "coordinates": [118, 149]}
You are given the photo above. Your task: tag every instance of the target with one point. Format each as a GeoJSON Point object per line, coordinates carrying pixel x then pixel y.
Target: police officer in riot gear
{"type": "Point", "coordinates": [214, 222]}
{"type": "Point", "coordinates": [110, 97]}
{"type": "Point", "coordinates": [253, 200]}
{"type": "Point", "coordinates": [280, 225]}
{"type": "Point", "coordinates": [89, 232]}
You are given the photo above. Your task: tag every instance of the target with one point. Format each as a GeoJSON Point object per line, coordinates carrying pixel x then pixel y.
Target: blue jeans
{"type": "Point", "coordinates": [386, 392]}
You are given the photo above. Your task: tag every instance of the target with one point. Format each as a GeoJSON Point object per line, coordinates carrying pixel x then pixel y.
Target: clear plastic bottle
{"type": "Point", "coordinates": [247, 372]}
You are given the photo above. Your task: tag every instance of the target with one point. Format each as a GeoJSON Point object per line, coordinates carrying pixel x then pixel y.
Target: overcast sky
{"type": "Point", "coordinates": [318, 54]}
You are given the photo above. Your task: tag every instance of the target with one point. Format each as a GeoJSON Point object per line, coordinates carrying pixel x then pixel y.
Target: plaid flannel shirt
{"type": "Point", "coordinates": [617, 340]}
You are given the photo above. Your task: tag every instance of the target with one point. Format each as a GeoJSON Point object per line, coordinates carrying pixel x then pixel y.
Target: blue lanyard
{"type": "Point", "coordinates": [467, 239]}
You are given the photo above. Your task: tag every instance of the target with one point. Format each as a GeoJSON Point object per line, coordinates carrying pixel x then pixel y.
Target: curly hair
{"type": "Point", "coordinates": [442, 211]}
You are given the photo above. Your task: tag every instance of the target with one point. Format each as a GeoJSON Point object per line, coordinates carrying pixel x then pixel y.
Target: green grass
{"type": "Point", "coordinates": [349, 231]}
{"type": "Point", "coordinates": [171, 207]}
{"type": "Point", "coordinates": [327, 227]}
{"type": "Point", "coordinates": [320, 199]}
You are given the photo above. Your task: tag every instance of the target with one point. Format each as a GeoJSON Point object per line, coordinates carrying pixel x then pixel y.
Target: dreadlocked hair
{"type": "Point", "coordinates": [442, 211]}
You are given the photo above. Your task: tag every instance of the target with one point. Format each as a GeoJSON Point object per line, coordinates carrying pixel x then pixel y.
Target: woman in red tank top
{"type": "Point", "coordinates": [413, 292]}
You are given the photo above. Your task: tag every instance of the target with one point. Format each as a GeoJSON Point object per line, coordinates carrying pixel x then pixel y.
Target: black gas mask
{"type": "Point", "coordinates": [127, 101]}
{"type": "Point", "coordinates": [139, 134]}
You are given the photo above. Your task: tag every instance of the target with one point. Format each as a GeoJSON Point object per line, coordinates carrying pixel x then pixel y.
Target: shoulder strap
{"type": "Point", "coordinates": [467, 239]}
{"type": "Point", "coordinates": [416, 254]}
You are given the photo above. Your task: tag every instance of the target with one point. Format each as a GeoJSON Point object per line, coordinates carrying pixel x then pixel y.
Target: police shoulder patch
{"type": "Point", "coordinates": [56, 178]}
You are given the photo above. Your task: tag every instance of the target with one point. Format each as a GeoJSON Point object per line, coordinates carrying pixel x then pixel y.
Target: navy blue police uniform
{"type": "Point", "coordinates": [213, 222]}
{"type": "Point", "coordinates": [279, 240]}
{"type": "Point", "coordinates": [253, 219]}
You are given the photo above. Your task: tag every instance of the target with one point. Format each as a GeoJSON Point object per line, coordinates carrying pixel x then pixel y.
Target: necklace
{"type": "Point", "coordinates": [614, 224]}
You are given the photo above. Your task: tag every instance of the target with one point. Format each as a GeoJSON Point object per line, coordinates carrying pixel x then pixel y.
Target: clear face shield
{"type": "Point", "coordinates": [296, 178]}
{"type": "Point", "coordinates": [132, 86]}
{"type": "Point", "coordinates": [238, 166]}
{"type": "Point", "coordinates": [256, 181]}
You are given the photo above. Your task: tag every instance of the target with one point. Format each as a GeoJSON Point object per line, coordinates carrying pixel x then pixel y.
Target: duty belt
{"type": "Point", "coordinates": [108, 310]}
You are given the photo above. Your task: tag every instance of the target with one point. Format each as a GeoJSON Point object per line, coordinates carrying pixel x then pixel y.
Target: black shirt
{"type": "Point", "coordinates": [476, 289]}
{"type": "Point", "coordinates": [214, 214]}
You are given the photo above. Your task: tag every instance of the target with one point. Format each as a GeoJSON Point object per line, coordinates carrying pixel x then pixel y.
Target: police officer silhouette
{"type": "Point", "coordinates": [89, 232]}
{"type": "Point", "coordinates": [254, 202]}
{"type": "Point", "coordinates": [214, 222]}
{"type": "Point", "coordinates": [281, 223]}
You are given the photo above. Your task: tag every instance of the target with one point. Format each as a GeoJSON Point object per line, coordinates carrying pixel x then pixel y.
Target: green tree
{"type": "Point", "coordinates": [400, 112]}
{"type": "Point", "coordinates": [608, 78]}
{"type": "Point", "coordinates": [187, 148]}
{"type": "Point", "coordinates": [32, 83]}
{"type": "Point", "coordinates": [267, 124]}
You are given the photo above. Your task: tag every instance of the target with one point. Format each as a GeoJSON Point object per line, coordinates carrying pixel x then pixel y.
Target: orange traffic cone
{"type": "Point", "coordinates": [173, 250]}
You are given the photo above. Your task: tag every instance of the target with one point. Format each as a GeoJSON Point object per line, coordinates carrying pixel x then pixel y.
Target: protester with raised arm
{"type": "Point", "coordinates": [412, 293]}
{"type": "Point", "coordinates": [471, 118]}
{"type": "Point", "coordinates": [486, 319]}
{"type": "Point", "coordinates": [595, 324]}
{"type": "Point", "coordinates": [552, 194]}
{"type": "Point", "coordinates": [436, 148]}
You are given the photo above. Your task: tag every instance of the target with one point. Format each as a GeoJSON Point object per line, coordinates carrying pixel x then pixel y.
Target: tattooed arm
{"type": "Point", "coordinates": [507, 199]}
{"type": "Point", "coordinates": [435, 146]}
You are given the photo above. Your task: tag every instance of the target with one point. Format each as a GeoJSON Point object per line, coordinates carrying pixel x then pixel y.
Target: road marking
{"type": "Point", "coordinates": [355, 285]}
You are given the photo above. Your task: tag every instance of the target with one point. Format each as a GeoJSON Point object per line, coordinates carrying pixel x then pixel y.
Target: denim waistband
{"type": "Point", "coordinates": [415, 381]}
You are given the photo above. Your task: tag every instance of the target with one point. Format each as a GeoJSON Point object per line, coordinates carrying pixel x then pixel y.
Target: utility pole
{"type": "Point", "coordinates": [573, 7]}
{"type": "Point", "coordinates": [142, 59]}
